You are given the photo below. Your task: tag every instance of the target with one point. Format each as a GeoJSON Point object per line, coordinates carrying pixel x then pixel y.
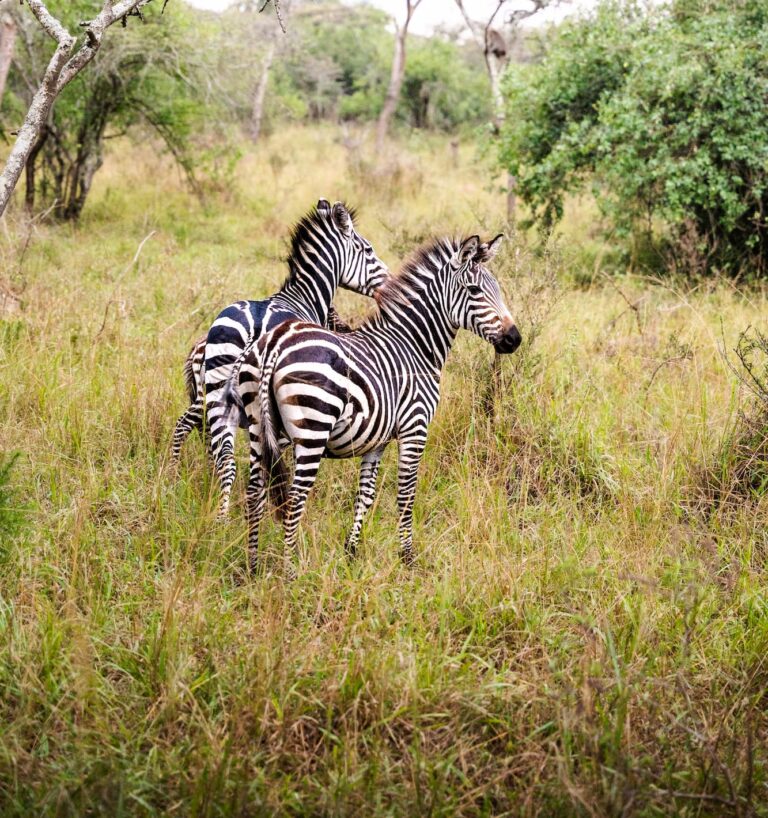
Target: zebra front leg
{"type": "Point", "coordinates": [366, 493]}
{"type": "Point", "coordinates": [409, 457]}
{"type": "Point", "coordinates": [255, 498]}
{"type": "Point", "coordinates": [306, 465]}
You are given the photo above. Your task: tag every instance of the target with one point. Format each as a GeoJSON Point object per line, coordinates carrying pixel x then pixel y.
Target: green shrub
{"type": "Point", "coordinates": [662, 110]}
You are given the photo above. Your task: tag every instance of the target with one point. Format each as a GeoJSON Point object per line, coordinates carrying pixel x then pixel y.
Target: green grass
{"type": "Point", "coordinates": [573, 641]}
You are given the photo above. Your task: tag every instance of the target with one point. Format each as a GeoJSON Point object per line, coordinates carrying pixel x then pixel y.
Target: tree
{"type": "Point", "coordinates": [396, 76]}
{"type": "Point", "coordinates": [662, 112]}
{"type": "Point", "coordinates": [7, 41]}
{"type": "Point", "coordinates": [496, 50]}
{"type": "Point", "coordinates": [65, 64]}
{"type": "Point", "coordinates": [148, 76]}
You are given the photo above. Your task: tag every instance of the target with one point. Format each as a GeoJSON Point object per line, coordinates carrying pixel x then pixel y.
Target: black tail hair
{"type": "Point", "coordinates": [276, 471]}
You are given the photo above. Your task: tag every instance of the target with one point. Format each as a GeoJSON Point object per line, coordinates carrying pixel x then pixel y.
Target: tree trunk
{"type": "Point", "coordinates": [63, 67]}
{"type": "Point", "coordinates": [35, 120]}
{"type": "Point", "coordinates": [393, 92]}
{"type": "Point", "coordinates": [495, 68]}
{"type": "Point", "coordinates": [7, 40]}
{"type": "Point", "coordinates": [30, 168]}
{"type": "Point", "coordinates": [396, 77]}
{"type": "Point", "coordinates": [257, 111]}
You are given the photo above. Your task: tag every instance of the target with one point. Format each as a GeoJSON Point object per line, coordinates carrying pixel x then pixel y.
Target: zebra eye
{"type": "Point", "coordinates": [473, 289]}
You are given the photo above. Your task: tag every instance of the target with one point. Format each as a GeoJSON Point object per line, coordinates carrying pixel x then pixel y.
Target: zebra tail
{"type": "Point", "coordinates": [276, 472]}
{"type": "Point", "coordinates": [231, 397]}
{"type": "Point", "coordinates": [190, 376]}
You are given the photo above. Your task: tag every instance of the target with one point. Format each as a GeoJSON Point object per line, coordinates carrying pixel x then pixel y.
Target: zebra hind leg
{"type": "Point", "coordinates": [191, 419]}
{"type": "Point", "coordinates": [306, 463]}
{"type": "Point", "coordinates": [255, 498]}
{"type": "Point", "coordinates": [224, 461]}
{"type": "Point", "coordinates": [366, 493]}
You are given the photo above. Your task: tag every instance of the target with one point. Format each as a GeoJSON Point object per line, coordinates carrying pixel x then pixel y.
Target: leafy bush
{"type": "Point", "coordinates": [662, 110]}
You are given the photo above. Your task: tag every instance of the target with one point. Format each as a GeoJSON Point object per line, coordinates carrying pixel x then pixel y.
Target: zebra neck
{"type": "Point", "coordinates": [423, 327]}
{"type": "Point", "coordinates": [309, 289]}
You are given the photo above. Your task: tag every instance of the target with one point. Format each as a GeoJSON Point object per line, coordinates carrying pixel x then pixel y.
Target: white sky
{"type": "Point", "coordinates": [432, 13]}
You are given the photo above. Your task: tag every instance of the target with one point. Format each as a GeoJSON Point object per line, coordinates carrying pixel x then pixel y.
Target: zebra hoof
{"type": "Point", "coordinates": [406, 555]}
{"type": "Point", "coordinates": [350, 549]}
{"type": "Point", "coordinates": [290, 571]}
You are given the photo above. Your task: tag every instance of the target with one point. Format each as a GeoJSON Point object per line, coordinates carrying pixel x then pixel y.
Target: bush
{"type": "Point", "coordinates": [662, 110]}
{"type": "Point", "coordinates": [738, 472]}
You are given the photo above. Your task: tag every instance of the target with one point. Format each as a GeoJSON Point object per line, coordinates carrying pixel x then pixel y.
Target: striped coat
{"type": "Point", "coordinates": [326, 252]}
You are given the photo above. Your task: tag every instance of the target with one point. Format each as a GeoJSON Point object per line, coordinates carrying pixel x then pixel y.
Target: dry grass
{"type": "Point", "coordinates": [572, 641]}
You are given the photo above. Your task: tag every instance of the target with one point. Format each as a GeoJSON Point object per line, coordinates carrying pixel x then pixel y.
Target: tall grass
{"type": "Point", "coordinates": [573, 640]}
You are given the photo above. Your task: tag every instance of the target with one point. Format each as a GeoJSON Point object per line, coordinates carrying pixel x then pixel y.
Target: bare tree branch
{"type": "Point", "coordinates": [62, 68]}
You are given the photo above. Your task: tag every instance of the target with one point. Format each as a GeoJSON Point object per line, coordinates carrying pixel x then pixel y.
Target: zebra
{"type": "Point", "coordinates": [326, 252]}
{"type": "Point", "coordinates": [340, 396]}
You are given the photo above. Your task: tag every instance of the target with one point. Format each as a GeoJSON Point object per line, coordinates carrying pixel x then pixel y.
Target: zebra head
{"type": "Point", "coordinates": [361, 270]}
{"type": "Point", "coordinates": [477, 303]}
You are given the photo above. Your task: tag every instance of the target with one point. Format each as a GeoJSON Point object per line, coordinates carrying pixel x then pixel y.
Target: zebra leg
{"type": "Point", "coordinates": [224, 463]}
{"type": "Point", "coordinates": [369, 471]}
{"type": "Point", "coordinates": [307, 464]}
{"type": "Point", "coordinates": [255, 498]}
{"type": "Point", "coordinates": [191, 419]}
{"type": "Point", "coordinates": [409, 457]}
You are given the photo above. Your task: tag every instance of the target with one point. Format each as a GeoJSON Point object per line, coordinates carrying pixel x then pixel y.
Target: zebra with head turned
{"type": "Point", "coordinates": [349, 395]}
{"type": "Point", "coordinates": [327, 252]}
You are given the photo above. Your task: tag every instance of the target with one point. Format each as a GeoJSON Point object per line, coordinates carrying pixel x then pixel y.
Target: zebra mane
{"type": "Point", "coordinates": [430, 257]}
{"type": "Point", "coordinates": [302, 231]}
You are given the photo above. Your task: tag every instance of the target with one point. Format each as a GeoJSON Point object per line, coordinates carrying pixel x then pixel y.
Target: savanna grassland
{"type": "Point", "coordinates": [585, 630]}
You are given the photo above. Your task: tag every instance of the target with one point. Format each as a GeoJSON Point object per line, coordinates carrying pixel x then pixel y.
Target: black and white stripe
{"type": "Point", "coordinates": [336, 395]}
{"type": "Point", "coordinates": [326, 253]}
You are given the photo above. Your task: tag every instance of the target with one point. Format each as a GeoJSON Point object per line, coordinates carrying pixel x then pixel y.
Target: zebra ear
{"type": "Point", "coordinates": [324, 207]}
{"type": "Point", "coordinates": [342, 218]}
{"type": "Point", "coordinates": [488, 251]}
{"type": "Point", "coordinates": [467, 251]}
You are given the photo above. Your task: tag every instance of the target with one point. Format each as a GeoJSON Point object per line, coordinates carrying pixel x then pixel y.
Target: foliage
{"type": "Point", "coordinates": [144, 74]}
{"type": "Point", "coordinates": [662, 110]}
{"type": "Point", "coordinates": [444, 86]}
{"type": "Point", "coordinates": [334, 63]}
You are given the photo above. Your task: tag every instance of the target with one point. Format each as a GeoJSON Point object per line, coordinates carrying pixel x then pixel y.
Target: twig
{"type": "Point", "coordinates": [111, 299]}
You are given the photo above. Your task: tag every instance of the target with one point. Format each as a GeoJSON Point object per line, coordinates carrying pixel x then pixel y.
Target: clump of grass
{"type": "Point", "coordinates": [11, 516]}
{"type": "Point", "coordinates": [738, 472]}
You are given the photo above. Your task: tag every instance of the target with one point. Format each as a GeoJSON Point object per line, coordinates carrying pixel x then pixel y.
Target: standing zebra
{"type": "Point", "coordinates": [349, 395]}
{"type": "Point", "coordinates": [326, 252]}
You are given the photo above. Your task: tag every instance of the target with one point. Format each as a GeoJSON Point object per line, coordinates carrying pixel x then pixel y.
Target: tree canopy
{"type": "Point", "coordinates": [660, 111]}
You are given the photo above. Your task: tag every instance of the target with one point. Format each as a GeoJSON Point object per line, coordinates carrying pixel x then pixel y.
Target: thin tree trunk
{"type": "Point", "coordinates": [38, 112]}
{"type": "Point", "coordinates": [393, 92]}
{"type": "Point", "coordinates": [30, 169]}
{"type": "Point", "coordinates": [396, 77]}
{"type": "Point", "coordinates": [7, 40]}
{"type": "Point", "coordinates": [257, 111]}
{"type": "Point", "coordinates": [495, 68]}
